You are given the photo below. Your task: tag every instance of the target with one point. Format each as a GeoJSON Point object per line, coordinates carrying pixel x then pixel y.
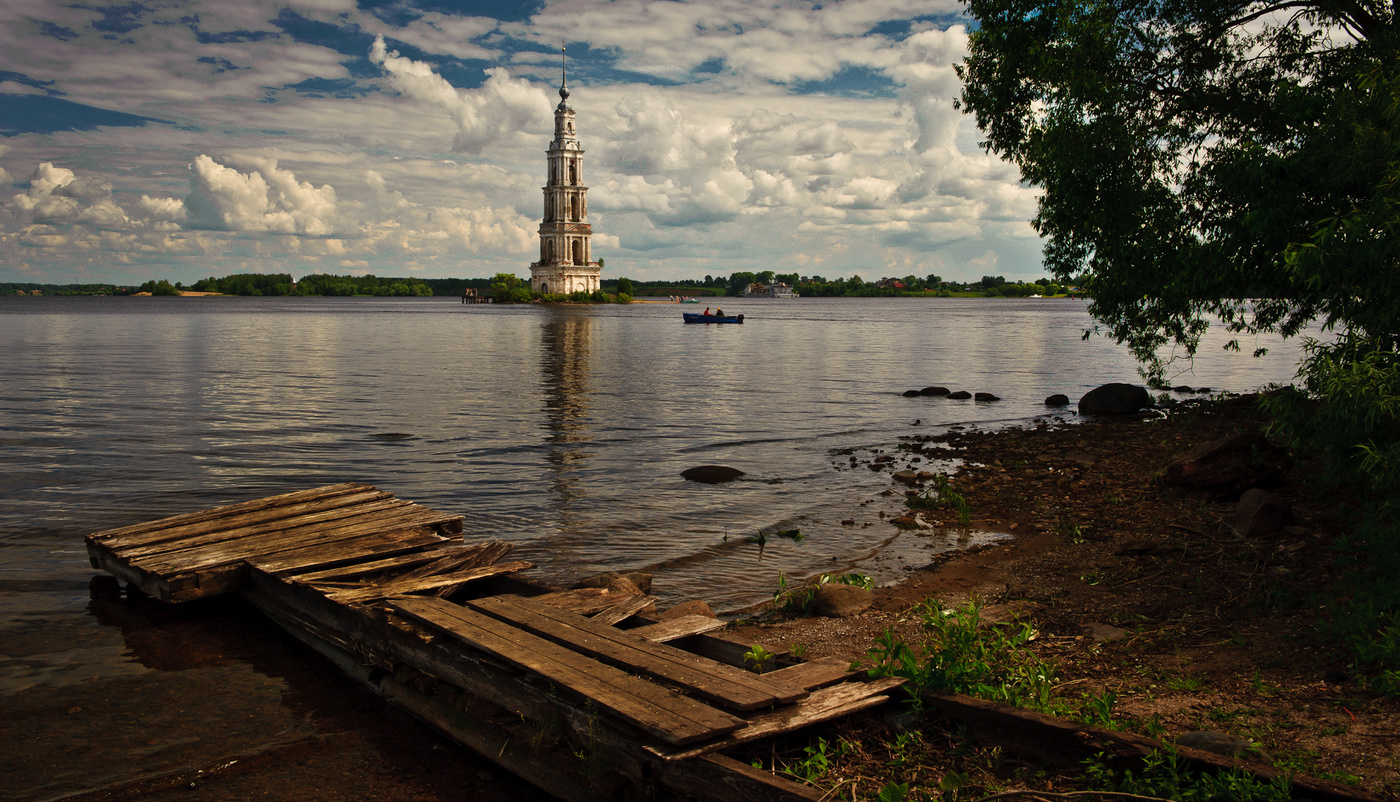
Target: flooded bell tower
{"type": "Point", "coordinates": [566, 249]}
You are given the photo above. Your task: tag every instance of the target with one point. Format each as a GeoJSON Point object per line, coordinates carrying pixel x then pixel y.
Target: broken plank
{"type": "Point", "coordinates": [400, 587]}
{"type": "Point", "coordinates": [584, 601]}
{"type": "Point", "coordinates": [231, 509]}
{"type": "Point", "coordinates": [667, 715]}
{"type": "Point", "coordinates": [216, 532]}
{"type": "Point", "coordinates": [291, 540]}
{"type": "Point", "coordinates": [357, 569]}
{"type": "Point", "coordinates": [467, 557]}
{"type": "Point", "coordinates": [818, 673]}
{"type": "Point", "coordinates": [623, 610]}
{"type": "Point", "coordinates": [354, 550]}
{"type": "Point", "coordinates": [723, 777]}
{"type": "Point", "coordinates": [677, 628]}
{"type": "Point", "coordinates": [731, 649]}
{"type": "Point", "coordinates": [822, 705]}
{"type": "Point", "coordinates": [726, 685]}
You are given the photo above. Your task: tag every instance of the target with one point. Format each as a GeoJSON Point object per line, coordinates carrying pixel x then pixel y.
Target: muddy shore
{"type": "Point", "coordinates": [1146, 595]}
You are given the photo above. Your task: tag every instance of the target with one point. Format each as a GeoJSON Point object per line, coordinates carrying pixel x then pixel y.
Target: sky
{"type": "Point", "coordinates": [180, 139]}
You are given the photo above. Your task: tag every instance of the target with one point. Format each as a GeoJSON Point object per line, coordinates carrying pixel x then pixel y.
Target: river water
{"type": "Point", "coordinates": [561, 429]}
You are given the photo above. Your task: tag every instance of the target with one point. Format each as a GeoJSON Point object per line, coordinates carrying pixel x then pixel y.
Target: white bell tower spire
{"type": "Point", "coordinates": [566, 262]}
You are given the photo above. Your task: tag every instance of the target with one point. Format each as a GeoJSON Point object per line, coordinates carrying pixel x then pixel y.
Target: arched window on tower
{"type": "Point", "coordinates": [573, 172]}
{"type": "Point", "coordinates": [578, 251]}
{"type": "Point", "coordinates": [574, 209]}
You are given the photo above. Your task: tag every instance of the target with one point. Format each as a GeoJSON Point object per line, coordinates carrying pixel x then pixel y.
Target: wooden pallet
{"type": "Point", "coordinates": [387, 589]}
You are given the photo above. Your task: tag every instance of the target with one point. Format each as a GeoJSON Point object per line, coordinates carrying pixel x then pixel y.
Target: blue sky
{"type": "Point", "coordinates": [186, 138]}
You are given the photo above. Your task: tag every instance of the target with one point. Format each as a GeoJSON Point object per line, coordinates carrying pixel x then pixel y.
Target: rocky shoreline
{"type": "Point", "coordinates": [1145, 585]}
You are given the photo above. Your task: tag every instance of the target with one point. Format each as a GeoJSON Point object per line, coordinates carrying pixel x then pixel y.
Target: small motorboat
{"type": "Point", "coordinates": [691, 317]}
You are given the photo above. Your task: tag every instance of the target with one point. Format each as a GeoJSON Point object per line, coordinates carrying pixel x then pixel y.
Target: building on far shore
{"type": "Point", "coordinates": [777, 290]}
{"type": "Point", "coordinates": [566, 239]}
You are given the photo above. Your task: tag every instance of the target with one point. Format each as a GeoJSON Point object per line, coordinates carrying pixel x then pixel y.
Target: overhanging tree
{"type": "Point", "coordinates": [1202, 158]}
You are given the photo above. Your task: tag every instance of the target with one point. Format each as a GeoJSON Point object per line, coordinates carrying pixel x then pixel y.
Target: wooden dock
{"type": "Point", "coordinates": [574, 691]}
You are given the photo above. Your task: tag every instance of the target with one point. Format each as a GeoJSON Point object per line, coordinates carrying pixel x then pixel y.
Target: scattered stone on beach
{"type": "Point", "coordinates": [985, 397]}
{"type": "Point", "coordinates": [848, 522]}
{"type": "Point", "coordinates": [934, 391]}
{"type": "Point", "coordinates": [685, 608]}
{"type": "Point", "coordinates": [1057, 400]}
{"type": "Point", "coordinates": [1098, 632]}
{"type": "Point", "coordinates": [906, 477]}
{"type": "Point", "coordinates": [1183, 388]}
{"type": "Point", "coordinates": [1227, 467]}
{"type": "Point", "coordinates": [641, 580]}
{"type": "Point", "coordinates": [1115, 398]}
{"type": "Point", "coordinates": [905, 522]}
{"type": "Point", "coordinates": [712, 474]}
{"type": "Point", "coordinates": [960, 395]}
{"type": "Point", "coordinates": [911, 393]}
{"type": "Point", "coordinates": [835, 600]}
{"type": "Point", "coordinates": [1260, 513]}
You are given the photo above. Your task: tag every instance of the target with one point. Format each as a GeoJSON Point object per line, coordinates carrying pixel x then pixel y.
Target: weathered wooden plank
{"type": "Point", "coordinates": [215, 532]}
{"type": "Point", "coordinates": [678, 628]}
{"type": "Point", "coordinates": [818, 673]}
{"type": "Point", "coordinates": [400, 587]}
{"type": "Point", "coordinates": [584, 601]}
{"type": "Point", "coordinates": [1062, 742]}
{"type": "Point", "coordinates": [232, 509]}
{"type": "Point", "coordinates": [623, 610]}
{"type": "Point", "coordinates": [352, 570]}
{"type": "Point", "coordinates": [217, 554]}
{"type": "Point", "coordinates": [732, 687]}
{"type": "Point", "coordinates": [468, 557]}
{"type": "Point", "coordinates": [336, 629]}
{"type": "Point", "coordinates": [822, 705]}
{"type": "Point", "coordinates": [357, 549]}
{"type": "Point", "coordinates": [727, 648]}
{"type": "Point", "coordinates": [723, 777]}
{"type": "Point", "coordinates": [667, 715]}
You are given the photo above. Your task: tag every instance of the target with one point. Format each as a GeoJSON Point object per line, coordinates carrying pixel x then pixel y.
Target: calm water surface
{"type": "Point", "coordinates": [562, 430]}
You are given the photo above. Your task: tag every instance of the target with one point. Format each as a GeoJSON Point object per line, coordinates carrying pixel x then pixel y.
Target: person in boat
{"type": "Point", "coordinates": [707, 311]}
{"type": "Point", "coordinates": [719, 313]}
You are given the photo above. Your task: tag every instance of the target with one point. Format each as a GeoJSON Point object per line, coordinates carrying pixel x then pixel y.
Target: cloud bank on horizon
{"type": "Point", "coordinates": [181, 139]}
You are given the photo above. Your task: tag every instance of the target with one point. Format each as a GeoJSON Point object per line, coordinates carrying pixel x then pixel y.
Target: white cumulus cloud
{"type": "Point", "coordinates": [501, 107]}
{"type": "Point", "coordinates": [267, 198]}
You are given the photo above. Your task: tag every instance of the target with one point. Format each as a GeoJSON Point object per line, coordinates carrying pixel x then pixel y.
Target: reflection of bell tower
{"type": "Point", "coordinates": [566, 249]}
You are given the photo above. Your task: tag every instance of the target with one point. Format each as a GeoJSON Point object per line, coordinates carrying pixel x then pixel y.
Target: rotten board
{"type": "Point", "coordinates": [158, 537]}
{"type": "Point", "coordinates": [400, 587]}
{"type": "Point", "coordinates": [231, 509]}
{"type": "Point", "coordinates": [822, 705]}
{"type": "Point", "coordinates": [1061, 742]}
{"type": "Point", "coordinates": [731, 687]}
{"type": "Point", "coordinates": [818, 673]}
{"type": "Point", "coordinates": [584, 601]}
{"type": "Point", "coordinates": [469, 557]}
{"type": "Point", "coordinates": [720, 777]}
{"type": "Point", "coordinates": [355, 550]}
{"type": "Point", "coordinates": [623, 610]}
{"type": "Point", "coordinates": [669, 716]}
{"type": "Point", "coordinates": [225, 553]}
{"type": "Point", "coordinates": [675, 628]}
{"type": "Point", "coordinates": [353, 570]}
{"type": "Point", "coordinates": [216, 533]}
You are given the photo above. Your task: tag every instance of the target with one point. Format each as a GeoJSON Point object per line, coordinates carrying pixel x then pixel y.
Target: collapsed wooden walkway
{"type": "Point", "coordinates": [574, 691]}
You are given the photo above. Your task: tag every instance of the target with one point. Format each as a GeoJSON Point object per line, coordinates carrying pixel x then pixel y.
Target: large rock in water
{"type": "Point", "coordinates": [1115, 399]}
{"type": "Point", "coordinates": [1057, 400]}
{"type": "Point", "coordinates": [1227, 467]}
{"type": "Point", "coordinates": [712, 474]}
{"type": "Point", "coordinates": [835, 600]}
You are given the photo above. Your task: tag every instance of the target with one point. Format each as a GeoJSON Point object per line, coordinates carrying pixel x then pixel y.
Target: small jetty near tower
{"type": "Point", "coordinates": [529, 676]}
{"type": "Point", "coordinates": [566, 239]}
